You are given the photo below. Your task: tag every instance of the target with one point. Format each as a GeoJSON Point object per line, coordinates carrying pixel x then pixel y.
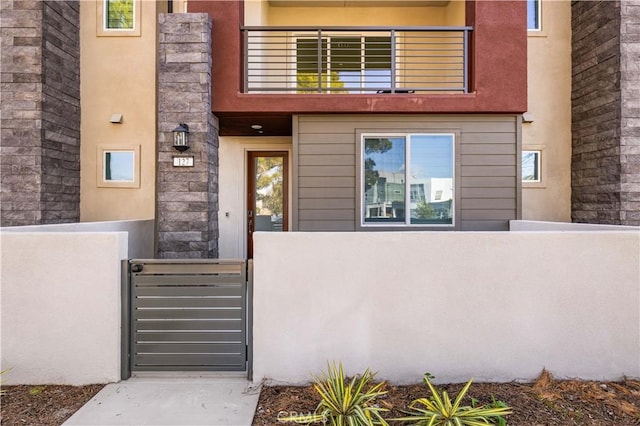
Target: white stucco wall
{"type": "Point", "coordinates": [232, 175]}
{"type": "Point", "coordinates": [60, 307]}
{"type": "Point", "coordinates": [141, 233]}
{"type": "Point", "coordinates": [533, 225]}
{"type": "Point", "coordinates": [493, 306]}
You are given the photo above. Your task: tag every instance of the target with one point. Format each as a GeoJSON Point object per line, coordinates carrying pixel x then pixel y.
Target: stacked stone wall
{"type": "Point", "coordinates": [187, 200]}
{"type": "Point", "coordinates": [21, 108]}
{"type": "Point", "coordinates": [39, 160]}
{"type": "Point", "coordinates": [630, 106]}
{"type": "Point", "coordinates": [61, 112]}
{"type": "Point", "coordinates": [596, 116]}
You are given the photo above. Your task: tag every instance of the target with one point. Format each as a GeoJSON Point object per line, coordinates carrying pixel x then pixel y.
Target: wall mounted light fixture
{"type": "Point", "coordinates": [527, 117]}
{"type": "Point", "coordinates": [181, 137]}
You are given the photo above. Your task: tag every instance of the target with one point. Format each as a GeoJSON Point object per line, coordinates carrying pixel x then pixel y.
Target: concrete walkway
{"type": "Point", "coordinates": [172, 399]}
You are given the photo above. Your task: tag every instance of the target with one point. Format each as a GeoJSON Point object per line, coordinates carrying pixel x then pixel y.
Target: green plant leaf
{"type": "Point", "coordinates": [462, 393]}
{"type": "Point", "coordinates": [36, 390]}
{"type": "Point", "coordinates": [2, 392]}
{"type": "Point", "coordinates": [345, 402]}
{"type": "Point", "coordinates": [438, 410]}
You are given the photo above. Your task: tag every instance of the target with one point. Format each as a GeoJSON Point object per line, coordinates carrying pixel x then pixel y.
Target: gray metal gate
{"type": "Point", "coordinates": [186, 315]}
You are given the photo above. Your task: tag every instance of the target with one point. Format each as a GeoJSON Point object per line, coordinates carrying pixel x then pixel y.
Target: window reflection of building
{"type": "Point", "coordinates": [385, 199]}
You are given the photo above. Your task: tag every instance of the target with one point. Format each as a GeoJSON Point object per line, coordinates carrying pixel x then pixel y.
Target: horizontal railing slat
{"type": "Point", "coordinates": [169, 362]}
{"type": "Point", "coordinates": [362, 28]}
{"type": "Point", "coordinates": [229, 314]}
{"type": "Point", "coordinates": [219, 290]}
{"type": "Point", "coordinates": [190, 348]}
{"type": "Point", "coordinates": [235, 325]}
{"type": "Point", "coordinates": [189, 336]}
{"type": "Point", "coordinates": [188, 302]}
{"type": "Point", "coordinates": [187, 280]}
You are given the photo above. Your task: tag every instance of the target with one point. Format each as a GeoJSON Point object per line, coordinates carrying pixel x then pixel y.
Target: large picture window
{"type": "Point", "coordinates": [408, 179]}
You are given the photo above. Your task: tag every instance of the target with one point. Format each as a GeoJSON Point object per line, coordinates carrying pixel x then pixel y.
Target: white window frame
{"type": "Point", "coordinates": [102, 181]}
{"type": "Point", "coordinates": [101, 21]}
{"type": "Point", "coordinates": [542, 164]}
{"type": "Point", "coordinates": [537, 164]}
{"type": "Point", "coordinates": [361, 206]}
{"type": "Point", "coordinates": [539, 13]}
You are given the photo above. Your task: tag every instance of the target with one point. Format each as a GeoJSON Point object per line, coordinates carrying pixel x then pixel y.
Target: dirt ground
{"type": "Point", "coordinates": [46, 405]}
{"type": "Point", "coordinates": [545, 402]}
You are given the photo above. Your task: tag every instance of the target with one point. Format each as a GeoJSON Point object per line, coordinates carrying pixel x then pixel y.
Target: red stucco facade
{"type": "Point", "coordinates": [498, 70]}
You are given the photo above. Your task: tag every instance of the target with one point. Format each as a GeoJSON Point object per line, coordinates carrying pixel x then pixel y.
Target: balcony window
{"type": "Point", "coordinates": [346, 64]}
{"type": "Point", "coordinates": [408, 180]}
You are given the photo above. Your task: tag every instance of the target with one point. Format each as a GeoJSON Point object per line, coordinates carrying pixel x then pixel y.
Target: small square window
{"type": "Point", "coordinates": [118, 167]}
{"type": "Point", "coordinates": [531, 166]}
{"type": "Point", "coordinates": [119, 14]}
{"type": "Point", "coordinates": [118, 17]}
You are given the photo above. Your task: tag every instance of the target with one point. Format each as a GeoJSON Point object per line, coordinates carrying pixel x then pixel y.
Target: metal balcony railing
{"type": "Point", "coordinates": [356, 59]}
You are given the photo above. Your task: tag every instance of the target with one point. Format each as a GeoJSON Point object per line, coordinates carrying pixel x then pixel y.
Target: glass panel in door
{"type": "Point", "coordinates": [267, 198]}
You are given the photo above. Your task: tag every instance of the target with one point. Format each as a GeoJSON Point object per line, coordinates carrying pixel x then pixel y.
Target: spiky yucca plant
{"type": "Point", "coordinates": [2, 391]}
{"type": "Point", "coordinates": [342, 403]}
{"type": "Point", "coordinates": [439, 410]}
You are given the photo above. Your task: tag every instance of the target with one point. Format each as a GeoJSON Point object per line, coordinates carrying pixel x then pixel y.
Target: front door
{"type": "Point", "coordinates": [267, 201]}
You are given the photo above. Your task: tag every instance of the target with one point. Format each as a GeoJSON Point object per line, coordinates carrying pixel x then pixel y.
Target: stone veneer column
{"type": "Point", "coordinates": [630, 113]}
{"type": "Point", "coordinates": [606, 112]}
{"type": "Point", "coordinates": [187, 200]}
{"type": "Point", "coordinates": [40, 136]}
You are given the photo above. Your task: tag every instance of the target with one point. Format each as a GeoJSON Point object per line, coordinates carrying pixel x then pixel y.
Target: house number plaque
{"type": "Point", "coordinates": [182, 161]}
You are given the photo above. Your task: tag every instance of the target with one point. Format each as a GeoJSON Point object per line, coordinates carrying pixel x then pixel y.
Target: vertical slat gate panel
{"type": "Point", "coordinates": [188, 315]}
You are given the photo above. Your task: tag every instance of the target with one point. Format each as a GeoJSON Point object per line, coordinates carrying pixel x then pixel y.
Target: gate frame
{"type": "Point", "coordinates": [127, 306]}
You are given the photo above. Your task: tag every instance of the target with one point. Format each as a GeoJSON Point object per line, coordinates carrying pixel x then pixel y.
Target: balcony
{"type": "Point", "coordinates": [356, 60]}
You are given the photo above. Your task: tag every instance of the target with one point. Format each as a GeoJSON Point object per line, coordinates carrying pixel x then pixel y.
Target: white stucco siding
{"type": "Point", "coordinates": [233, 189]}
{"type": "Point", "coordinates": [60, 307]}
{"type": "Point", "coordinates": [496, 306]}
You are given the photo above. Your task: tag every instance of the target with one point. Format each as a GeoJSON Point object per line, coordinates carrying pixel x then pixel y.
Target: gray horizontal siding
{"type": "Point", "coordinates": [484, 192]}
{"type": "Point", "coordinates": [326, 171]}
{"type": "Point", "coordinates": [487, 149]}
{"type": "Point", "coordinates": [327, 193]}
{"type": "Point", "coordinates": [323, 160]}
{"type": "Point", "coordinates": [487, 160]}
{"type": "Point", "coordinates": [327, 182]}
{"type": "Point", "coordinates": [325, 167]}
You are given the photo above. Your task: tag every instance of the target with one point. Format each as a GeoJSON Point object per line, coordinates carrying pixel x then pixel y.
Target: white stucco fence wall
{"type": "Point", "coordinates": [141, 233]}
{"type": "Point", "coordinates": [60, 300]}
{"type": "Point", "coordinates": [496, 306]}
{"type": "Point", "coordinates": [535, 225]}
